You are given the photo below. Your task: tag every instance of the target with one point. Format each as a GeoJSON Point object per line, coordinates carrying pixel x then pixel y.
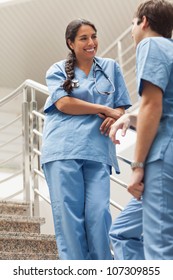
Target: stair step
{"type": "Point", "coordinates": [27, 243]}
{"type": "Point", "coordinates": [28, 256]}
{"type": "Point", "coordinates": [10, 223]}
{"type": "Point", "coordinates": [20, 237]}
{"type": "Point", "coordinates": [13, 208]}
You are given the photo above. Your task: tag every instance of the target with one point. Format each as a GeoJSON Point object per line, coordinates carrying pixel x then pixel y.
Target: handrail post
{"type": "Point", "coordinates": [26, 151]}
{"type": "Point", "coordinates": [34, 157]}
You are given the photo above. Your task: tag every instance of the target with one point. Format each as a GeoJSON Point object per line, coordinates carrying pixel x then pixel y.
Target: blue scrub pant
{"type": "Point", "coordinates": [156, 211]}
{"type": "Point", "coordinates": [80, 192]}
{"type": "Point", "coordinates": [126, 233]}
{"type": "Point", "coordinates": [158, 208]}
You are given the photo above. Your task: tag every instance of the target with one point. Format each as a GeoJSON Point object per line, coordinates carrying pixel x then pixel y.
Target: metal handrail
{"type": "Point", "coordinates": [132, 57]}
{"type": "Point", "coordinates": [126, 160]}
{"type": "Point", "coordinates": [114, 44]}
{"type": "Point", "coordinates": [24, 90]}
{"type": "Point", "coordinates": [38, 114]}
{"type": "Point", "coordinates": [113, 179]}
{"type": "Point", "coordinates": [28, 83]}
{"type": "Point", "coordinates": [116, 205]}
{"type": "Point", "coordinates": [36, 132]}
{"type": "Point", "coordinates": [37, 152]}
{"type": "Point", "coordinates": [42, 196]}
{"type": "Point", "coordinates": [131, 47]}
{"type": "Point", "coordinates": [38, 172]}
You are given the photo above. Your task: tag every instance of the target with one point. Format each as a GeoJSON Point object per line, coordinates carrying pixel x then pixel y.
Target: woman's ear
{"type": "Point", "coordinates": [70, 44]}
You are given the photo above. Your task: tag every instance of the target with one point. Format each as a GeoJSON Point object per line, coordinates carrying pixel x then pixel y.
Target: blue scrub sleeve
{"type": "Point", "coordinates": [55, 77]}
{"type": "Point", "coordinates": [151, 66]}
{"type": "Point", "coordinates": [121, 97]}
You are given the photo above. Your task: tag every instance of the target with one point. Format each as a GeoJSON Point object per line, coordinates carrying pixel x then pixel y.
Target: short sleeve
{"type": "Point", "coordinates": [122, 98]}
{"type": "Point", "coordinates": [55, 77]}
{"type": "Point", "coordinates": [152, 65]}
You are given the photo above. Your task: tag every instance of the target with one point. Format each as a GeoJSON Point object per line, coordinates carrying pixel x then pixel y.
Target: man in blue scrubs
{"type": "Point", "coordinates": [153, 158]}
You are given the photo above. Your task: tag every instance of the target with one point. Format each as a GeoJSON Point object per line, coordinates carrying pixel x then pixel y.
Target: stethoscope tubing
{"type": "Point", "coordinates": [75, 82]}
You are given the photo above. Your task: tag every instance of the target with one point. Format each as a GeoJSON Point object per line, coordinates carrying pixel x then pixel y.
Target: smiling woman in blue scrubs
{"type": "Point", "coordinates": [87, 95]}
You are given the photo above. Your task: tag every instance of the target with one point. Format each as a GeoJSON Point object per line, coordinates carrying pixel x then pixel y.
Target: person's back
{"type": "Point", "coordinates": [154, 57]}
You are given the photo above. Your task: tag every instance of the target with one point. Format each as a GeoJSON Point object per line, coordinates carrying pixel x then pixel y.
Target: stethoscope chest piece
{"type": "Point", "coordinates": [75, 83]}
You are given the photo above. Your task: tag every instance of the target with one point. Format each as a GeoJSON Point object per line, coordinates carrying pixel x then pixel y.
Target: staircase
{"type": "Point", "coordinates": [20, 237]}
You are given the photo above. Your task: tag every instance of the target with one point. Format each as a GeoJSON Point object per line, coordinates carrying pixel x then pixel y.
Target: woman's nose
{"type": "Point", "coordinates": [91, 41]}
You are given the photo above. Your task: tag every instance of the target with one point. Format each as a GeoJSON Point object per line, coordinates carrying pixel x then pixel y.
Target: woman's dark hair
{"type": "Point", "coordinates": [159, 14]}
{"type": "Point", "coordinates": [70, 34]}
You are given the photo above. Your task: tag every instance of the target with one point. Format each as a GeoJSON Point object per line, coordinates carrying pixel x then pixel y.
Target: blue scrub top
{"type": "Point", "coordinates": [155, 65]}
{"type": "Point", "coordinates": [78, 136]}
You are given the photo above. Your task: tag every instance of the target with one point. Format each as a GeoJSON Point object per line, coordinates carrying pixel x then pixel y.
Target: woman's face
{"type": "Point", "coordinates": [85, 44]}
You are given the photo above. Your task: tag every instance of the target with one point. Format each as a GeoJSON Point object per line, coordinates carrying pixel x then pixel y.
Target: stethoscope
{"type": "Point", "coordinates": [97, 67]}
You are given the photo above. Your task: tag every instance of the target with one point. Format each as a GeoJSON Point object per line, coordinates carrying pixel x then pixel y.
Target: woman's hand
{"type": "Point", "coordinates": [110, 116]}
{"type": "Point", "coordinates": [106, 125]}
{"type": "Point", "coordinates": [113, 113]}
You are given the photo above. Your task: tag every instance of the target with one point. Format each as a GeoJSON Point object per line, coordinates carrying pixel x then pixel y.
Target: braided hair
{"type": "Point", "coordinates": [70, 34]}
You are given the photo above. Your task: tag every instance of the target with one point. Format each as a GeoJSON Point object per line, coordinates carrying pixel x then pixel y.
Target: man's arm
{"type": "Point", "coordinates": [148, 120]}
{"type": "Point", "coordinates": [147, 125]}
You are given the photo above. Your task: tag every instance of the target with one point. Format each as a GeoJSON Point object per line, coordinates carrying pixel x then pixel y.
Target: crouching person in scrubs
{"type": "Point", "coordinates": [87, 95]}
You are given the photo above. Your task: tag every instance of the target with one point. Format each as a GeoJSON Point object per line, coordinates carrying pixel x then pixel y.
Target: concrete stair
{"type": "Point", "coordinates": [20, 237]}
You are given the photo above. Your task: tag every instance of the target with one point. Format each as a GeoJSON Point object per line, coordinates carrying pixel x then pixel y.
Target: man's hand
{"type": "Point", "coordinates": [122, 123]}
{"type": "Point", "coordinates": [136, 186]}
